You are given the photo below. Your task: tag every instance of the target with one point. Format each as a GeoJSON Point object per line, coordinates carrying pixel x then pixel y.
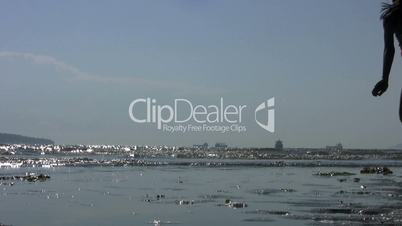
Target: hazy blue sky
{"type": "Point", "coordinates": [69, 69]}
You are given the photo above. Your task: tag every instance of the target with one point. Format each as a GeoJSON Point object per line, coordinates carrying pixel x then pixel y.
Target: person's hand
{"type": "Point", "coordinates": [380, 88]}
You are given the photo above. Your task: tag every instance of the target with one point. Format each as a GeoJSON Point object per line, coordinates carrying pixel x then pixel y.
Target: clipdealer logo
{"type": "Point", "coordinates": [184, 116]}
{"type": "Point", "coordinates": [267, 106]}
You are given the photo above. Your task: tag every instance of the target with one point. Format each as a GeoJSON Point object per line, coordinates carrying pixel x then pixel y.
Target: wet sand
{"type": "Point", "coordinates": [199, 194]}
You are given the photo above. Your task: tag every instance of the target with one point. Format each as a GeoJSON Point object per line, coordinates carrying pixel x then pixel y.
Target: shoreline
{"type": "Point", "coordinates": [50, 162]}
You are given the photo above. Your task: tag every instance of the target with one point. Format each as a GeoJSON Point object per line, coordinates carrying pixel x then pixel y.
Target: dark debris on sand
{"type": "Point", "coordinates": [333, 174]}
{"type": "Point", "coordinates": [30, 177]}
{"type": "Point", "coordinates": [376, 170]}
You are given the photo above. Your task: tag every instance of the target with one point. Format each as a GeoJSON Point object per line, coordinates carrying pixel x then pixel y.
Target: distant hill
{"type": "Point", "coordinates": [6, 138]}
{"type": "Point", "coordinates": [397, 147]}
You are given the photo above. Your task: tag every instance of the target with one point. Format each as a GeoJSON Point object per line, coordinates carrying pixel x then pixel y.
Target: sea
{"type": "Point", "coordinates": [200, 195]}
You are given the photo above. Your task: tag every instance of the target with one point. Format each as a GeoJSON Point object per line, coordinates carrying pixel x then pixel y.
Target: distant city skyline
{"type": "Point", "coordinates": [69, 70]}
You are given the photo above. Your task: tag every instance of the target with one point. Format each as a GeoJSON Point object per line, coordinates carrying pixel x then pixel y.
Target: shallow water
{"type": "Point", "coordinates": [128, 196]}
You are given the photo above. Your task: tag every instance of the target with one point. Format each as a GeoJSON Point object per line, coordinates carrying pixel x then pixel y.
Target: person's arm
{"type": "Point", "coordinates": [389, 52]}
{"type": "Point", "coordinates": [388, 58]}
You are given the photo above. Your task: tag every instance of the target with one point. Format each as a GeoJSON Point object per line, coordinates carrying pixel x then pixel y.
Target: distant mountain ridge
{"type": "Point", "coordinates": [7, 138]}
{"type": "Point", "coordinates": [398, 147]}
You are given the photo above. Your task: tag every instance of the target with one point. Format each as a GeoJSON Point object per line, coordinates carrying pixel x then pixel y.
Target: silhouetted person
{"type": "Point", "coordinates": [392, 21]}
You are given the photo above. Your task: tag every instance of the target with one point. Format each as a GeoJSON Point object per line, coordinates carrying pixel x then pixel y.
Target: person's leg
{"type": "Point", "coordinates": [400, 108]}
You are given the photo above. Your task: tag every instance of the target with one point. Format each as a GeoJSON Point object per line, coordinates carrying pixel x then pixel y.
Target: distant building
{"type": "Point", "coordinates": [278, 145]}
{"type": "Point", "coordinates": [337, 147]}
{"type": "Point", "coordinates": [221, 146]}
{"type": "Point", "coordinates": [203, 146]}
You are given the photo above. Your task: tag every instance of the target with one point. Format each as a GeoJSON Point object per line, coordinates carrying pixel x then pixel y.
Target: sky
{"type": "Point", "coordinates": [70, 69]}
